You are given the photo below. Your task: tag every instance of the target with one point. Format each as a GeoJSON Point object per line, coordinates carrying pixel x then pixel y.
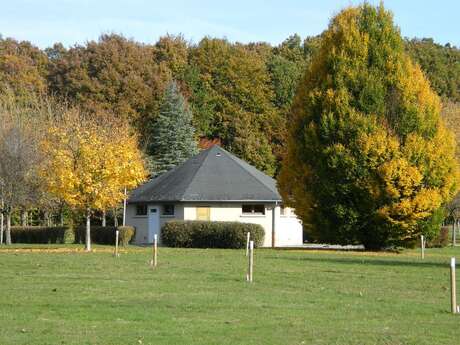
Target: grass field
{"type": "Point", "coordinates": [65, 296]}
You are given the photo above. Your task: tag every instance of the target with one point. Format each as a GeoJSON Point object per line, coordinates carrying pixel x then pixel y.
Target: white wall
{"type": "Point", "coordinates": [289, 230]}
{"type": "Point", "coordinates": [232, 212]}
{"type": "Point", "coordinates": [288, 227]}
{"type": "Point", "coordinates": [141, 223]}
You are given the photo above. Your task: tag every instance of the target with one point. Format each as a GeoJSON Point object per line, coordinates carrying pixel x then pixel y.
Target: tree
{"type": "Point", "coordinates": [231, 99]}
{"type": "Point", "coordinates": [451, 115]}
{"type": "Point", "coordinates": [20, 155]}
{"type": "Point", "coordinates": [113, 75]}
{"type": "Point", "coordinates": [172, 139]}
{"type": "Point", "coordinates": [440, 63]}
{"type": "Point", "coordinates": [369, 159]}
{"type": "Point", "coordinates": [89, 162]}
{"type": "Point", "coordinates": [23, 69]}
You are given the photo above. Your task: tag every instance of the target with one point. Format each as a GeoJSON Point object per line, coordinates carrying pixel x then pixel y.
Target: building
{"type": "Point", "coordinates": [213, 185]}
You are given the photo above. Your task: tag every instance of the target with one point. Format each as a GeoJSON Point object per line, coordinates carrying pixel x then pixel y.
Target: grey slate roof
{"type": "Point", "coordinates": [212, 175]}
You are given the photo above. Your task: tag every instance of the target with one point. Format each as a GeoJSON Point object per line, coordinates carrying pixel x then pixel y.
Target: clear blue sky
{"type": "Point", "coordinates": [44, 22]}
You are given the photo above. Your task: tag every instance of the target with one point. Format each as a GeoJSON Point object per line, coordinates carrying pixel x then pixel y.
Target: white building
{"type": "Point", "coordinates": [217, 186]}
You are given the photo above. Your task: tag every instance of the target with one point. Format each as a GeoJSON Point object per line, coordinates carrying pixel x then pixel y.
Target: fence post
{"type": "Point", "coordinates": [453, 288]}
{"type": "Point", "coordinates": [454, 235]}
{"type": "Point", "coordinates": [248, 237]}
{"type": "Point", "coordinates": [116, 243]}
{"type": "Point", "coordinates": [249, 276]}
{"type": "Point", "coordinates": [153, 262]}
{"type": "Point", "coordinates": [422, 246]}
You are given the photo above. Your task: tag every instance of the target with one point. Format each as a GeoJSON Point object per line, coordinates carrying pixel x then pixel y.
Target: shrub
{"type": "Point", "coordinates": [442, 238]}
{"type": "Point", "coordinates": [41, 234]}
{"type": "Point", "coordinates": [126, 234]}
{"type": "Point", "coordinates": [105, 234]}
{"type": "Point", "coordinates": [206, 234]}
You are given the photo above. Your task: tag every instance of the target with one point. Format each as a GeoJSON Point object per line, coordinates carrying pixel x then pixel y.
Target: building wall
{"type": "Point", "coordinates": [232, 212]}
{"type": "Point", "coordinates": [141, 223]}
{"type": "Point", "coordinates": [288, 227]}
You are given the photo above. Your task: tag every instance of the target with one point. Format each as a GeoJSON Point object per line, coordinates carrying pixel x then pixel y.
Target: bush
{"type": "Point", "coordinates": [126, 234]}
{"type": "Point", "coordinates": [105, 234]}
{"type": "Point", "coordinates": [206, 234]}
{"type": "Point", "coordinates": [442, 239]}
{"type": "Point", "coordinates": [41, 234]}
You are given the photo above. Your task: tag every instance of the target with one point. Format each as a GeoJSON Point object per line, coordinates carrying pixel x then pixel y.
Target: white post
{"type": "Point", "coordinates": [422, 246]}
{"type": "Point", "coordinates": [249, 276]}
{"type": "Point", "coordinates": [1, 227]}
{"type": "Point", "coordinates": [2, 205]}
{"type": "Point", "coordinates": [1, 221]}
{"type": "Point", "coordinates": [248, 237]}
{"type": "Point", "coordinates": [116, 243]}
{"type": "Point", "coordinates": [453, 288]}
{"type": "Point", "coordinates": [124, 209]}
{"type": "Point", "coordinates": [454, 235]}
{"type": "Point", "coordinates": [153, 262]}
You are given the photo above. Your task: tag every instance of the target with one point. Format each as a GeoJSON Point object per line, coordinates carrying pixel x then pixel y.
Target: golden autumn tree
{"type": "Point", "coordinates": [369, 159]}
{"type": "Point", "coordinates": [90, 163]}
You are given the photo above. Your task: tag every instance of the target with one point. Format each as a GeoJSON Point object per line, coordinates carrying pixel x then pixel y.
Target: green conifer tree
{"type": "Point", "coordinates": [369, 159]}
{"type": "Point", "coordinates": [172, 139]}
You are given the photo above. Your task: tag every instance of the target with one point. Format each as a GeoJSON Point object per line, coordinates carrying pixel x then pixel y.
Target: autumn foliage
{"type": "Point", "coordinates": [369, 159]}
{"type": "Point", "coordinates": [90, 162]}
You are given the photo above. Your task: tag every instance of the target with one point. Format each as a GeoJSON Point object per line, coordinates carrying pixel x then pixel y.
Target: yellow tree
{"type": "Point", "coordinates": [90, 162]}
{"type": "Point", "coordinates": [369, 160]}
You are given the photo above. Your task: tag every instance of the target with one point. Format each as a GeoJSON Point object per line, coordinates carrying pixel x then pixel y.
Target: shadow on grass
{"type": "Point", "coordinates": [369, 261]}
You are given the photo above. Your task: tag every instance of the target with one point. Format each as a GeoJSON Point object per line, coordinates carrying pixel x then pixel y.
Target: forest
{"type": "Point", "coordinates": [171, 98]}
{"type": "Point", "coordinates": [238, 94]}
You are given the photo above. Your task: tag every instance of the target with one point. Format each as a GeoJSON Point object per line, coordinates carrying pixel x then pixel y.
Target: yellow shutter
{"type": "Point", "coordinates": [203, 213]}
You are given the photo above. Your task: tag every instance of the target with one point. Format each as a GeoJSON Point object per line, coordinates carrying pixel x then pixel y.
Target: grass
{"type": "Point", "coordinates": [56, 295]}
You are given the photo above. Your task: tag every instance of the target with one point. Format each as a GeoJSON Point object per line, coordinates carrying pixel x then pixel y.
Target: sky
{"type": "Point", "coordinates": [44, 22]}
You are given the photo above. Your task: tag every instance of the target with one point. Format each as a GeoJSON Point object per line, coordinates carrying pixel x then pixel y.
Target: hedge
{"type": "Point", "coordinates": [41, 234]}
{"type": "Point", "coordinates": [105, 234]}
{"type": "Point", "coordinates": [207, 234]}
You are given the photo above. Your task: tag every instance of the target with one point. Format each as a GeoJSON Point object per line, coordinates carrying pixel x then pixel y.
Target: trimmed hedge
{"type": "Point", "coordinates": [105, 235]}
{"type": "Point", "coordinates": [41, 234]}
{"type": "Point", "coordinates": [207, 234]}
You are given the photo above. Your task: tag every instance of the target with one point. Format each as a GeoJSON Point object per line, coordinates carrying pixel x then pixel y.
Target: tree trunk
{"type": "Point", "coordinates": [45, 218]}
{"type": "Point", "coordinates": [8, 229]}
{"type": "Point", "coordinates": [88, 231]}
{"type": "Point", "coordinates": [1, 227]}
{"type": "Point", "coordinates": [61, 217]}
{"type": "Point", "coordinates": [124, 209]}
{"type": "Point", "coordinates": [23, 218]}
{"type": "Point", "coordinates": [104, 220]}
{"type": "Point", "coordinates": [115, 217]}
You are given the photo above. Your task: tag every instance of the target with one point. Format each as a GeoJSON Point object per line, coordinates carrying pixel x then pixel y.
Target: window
{"type": "Point", "coordinates": [254, 209]}
{"type": "Point", "coordinates": [141, 210]}
{"type": "Point", "coordinates": [168, 210]}
{"type": "Point", "coordinates": [203, 213]}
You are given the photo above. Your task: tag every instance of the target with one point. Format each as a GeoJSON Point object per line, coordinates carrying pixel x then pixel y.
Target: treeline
{"type": "Point", "coordinates": [238, 93]}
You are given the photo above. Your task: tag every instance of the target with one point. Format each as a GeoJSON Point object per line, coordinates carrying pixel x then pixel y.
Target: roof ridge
{"type": "Point", "coordinates": [237, 161]}
{"type": "Point", "coordinates": [196, 171]}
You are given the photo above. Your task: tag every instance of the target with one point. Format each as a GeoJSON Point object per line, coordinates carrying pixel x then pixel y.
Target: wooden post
{"type": "Point", "coordinates": [251, 262]}
{"type": "Point", "coordinates": [453, 288]}
{"type": "Point", "coordinates": [153, 262]}
{"type": "Point", "coordinates": [454, 235]}
{"type": "Point", "coordinates": [116, 243]}
{"type": "Point", "coordinates": [248, 237]}
{"type": "Point", "coordinates": [422, 246]}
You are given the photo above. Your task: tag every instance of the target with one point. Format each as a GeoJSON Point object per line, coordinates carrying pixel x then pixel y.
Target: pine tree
{"type": "Point", "coordinates": [172, 139]}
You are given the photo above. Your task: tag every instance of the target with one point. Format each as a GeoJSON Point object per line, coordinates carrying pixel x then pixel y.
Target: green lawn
{"type": "Point", "coordinates": [200, 297]}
